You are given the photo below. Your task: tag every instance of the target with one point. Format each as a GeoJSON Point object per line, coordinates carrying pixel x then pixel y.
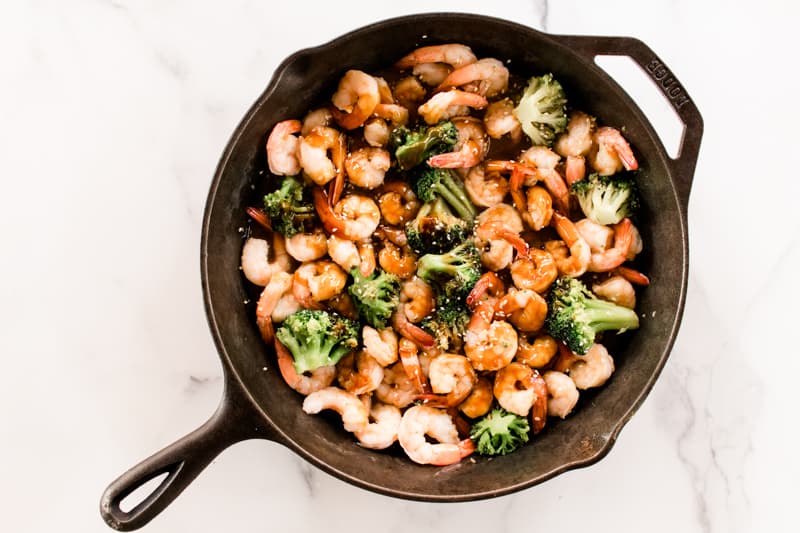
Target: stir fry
{"type": "Point", "coordinates": [444, 245]}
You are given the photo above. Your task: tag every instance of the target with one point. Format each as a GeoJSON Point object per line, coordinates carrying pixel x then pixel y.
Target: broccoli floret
{"type": "Point", "coordinates": [431, 183]}
{"type": "Point", "coordinates": [415, 147]}
{"type": "Point", "coordinates": [375, 297]}
{"type": "Point", "coordinates": [607, 199]}
{"type": "Point", "coordinates": [454, 273]}
{"type": "Point", "coordinates": [448, 323]}
{"type": "Point", "coordinates": [499, 432]}
{"type": "Point", "coordinates": [575, 315]}
{"type": "Point", "coordinates": [435, 229]}
{"type": "Point", "coordinates": [542, 110]}
{"type": "Point", "coordinates": [290, 208]}
{"type": "Point", "coordinates": [317, 338]}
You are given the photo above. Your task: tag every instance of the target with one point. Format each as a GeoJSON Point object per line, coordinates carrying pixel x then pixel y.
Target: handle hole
{"type": "Point", "coordinates": [668, 125]}
{"type": "Point", "coordinates": [142, 492]}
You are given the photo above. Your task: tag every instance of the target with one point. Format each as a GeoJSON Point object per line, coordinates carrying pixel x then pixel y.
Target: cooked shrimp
{"type": "Point", "coordinates": [417, 299]}
{"type": "Point", "coordinates": [432, 74]}
{"type": "Point", "coordinates": [500, 120]}
{"type": "Point", "coordinates": [479, 400]}
{"type": "Point", "coordinates": [455, 55]}
{"type": "Point", "coordinates": [408, 353]}
{"type": "Point", "coordinates": [398, 203]}
{"type": "Point", "coordinates": [286, 306]}
{"type": "Point", "coordinates": [637, 245]}
{"type": "Point", "coordinates": [616, 289]}
{"type": "Point", "coordinates": [307, 246]}
{"type": "Point", "coordinates": [592, 369]}
{"type": "Point", "coordinates": [496, 253]}
{"type": "Point", "coordinates": [422, 420]}
{"type": "Point", "coordinates": [394, 113]}
{"type": "Point", "coordinates": [545, 161]}
{"type": "Point", "coordinates": [359, 373]}
{"type": "Point", "coordinates": [574, 144]}
{"type": "Point", "coordinates": [381, 433]}
{"type": "Point", "coordinates": [446, 105]}
{"type": "Point", "coordinates": [367, 166]}
{"type": "Point", "coordinates": [354, 414]}
{"type": "Point", "coordinates": [562, 393]}
{"type": "Point", "coordinates": [538, 208]}
{"type": "Point", "coordinates": [318, 281]}
{"type": "Point", "coordinates": [279, 284]}
{"type": "Point", "coordinates": [576, 262]}
{"type": "Point", "coordinates": [307, 383]}
{"type": "Point", "coordinates": [613, 257]}
{"type": "Point", "coordinates": [521, 174]}
{"type": "Point", "coordinates": [485, 189]}
{"type": "Point", "coordinates": [452, 376]}
{"type": "Point", "coordinates": [513, 388]}
{"type": "Point", "coordinates": [318, 117]}
{"type": "Point", "coordinates": [355, 99]}
{"type": "Point", "coordinates": [524, 308]}
{"type": "Point", "coordinates": [488, 288]}
{"type": "Point", "coordinates": [411, 331]}
{"type": "Point", "coordinates": [536, 270]}
{"type": "Point", "coordinates": [397, 388]}
{"type": "Point", "coordinates": [597, 236]}
{"type": "Point", "coordinates": [381, 345]}
{"type": "Point", "coordinates": [469, 150]}
{"type": "Point", "coordinates": [256, 266]}
{"type": "Point", "coordinates": [634, 276]}
{"type": "Point", "coordinates": [489, 344]}
{"type": "Point", "coordinates": [409, 92]}
{"type": "Point", "coordinates": [610, 152]}
{"type": "Point", "coordinates": [376, 132]}
{"type": "Point", "coordinates": [282, 148]}
{"type": "Point", "coordinates": [538, 353]}
{"type": "Point", "coordinates": [314, 150]}
{"type": "Point", "coordinates": [398, 260]}
{"type": "Point", "coordinates": [488, 77]}
{"type": "Point", "coordinates": [354, 217]}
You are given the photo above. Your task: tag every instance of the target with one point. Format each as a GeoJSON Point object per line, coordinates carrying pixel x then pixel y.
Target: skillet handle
{"type": "Point", "coordinates": [182, 461]}
{"type": "Point", "coordinates": [683, 166]}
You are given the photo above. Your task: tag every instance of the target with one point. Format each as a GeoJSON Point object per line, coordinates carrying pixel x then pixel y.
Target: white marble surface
{"type": "Point", "coordinates": [112, 116]}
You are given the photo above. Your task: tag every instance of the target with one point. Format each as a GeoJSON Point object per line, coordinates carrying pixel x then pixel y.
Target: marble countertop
{"type": "Point", "coordinates": [112, 117]}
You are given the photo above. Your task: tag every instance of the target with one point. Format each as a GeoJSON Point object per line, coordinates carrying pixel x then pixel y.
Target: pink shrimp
{"type": "Point", "coordinates": [282, 148]}
{"type": "Point", "coordinates": [470, 149]}
{"type": "Point", "coordinates": [447, 104]}
{"type": "Point", "coordinates": [577, 262]}
{"type": "Point", "coordinates": [611, 258]}
{"type": "Point", "coordinates": [610, 152]}
{"type": "Point", "coordinates": [355, 99]}
{"type": "Point", "coordinates": [488, 76]}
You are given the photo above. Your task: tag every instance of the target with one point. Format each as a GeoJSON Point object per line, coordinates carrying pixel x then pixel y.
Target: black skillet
{"type": "Point", "coordinates": [257, 404]}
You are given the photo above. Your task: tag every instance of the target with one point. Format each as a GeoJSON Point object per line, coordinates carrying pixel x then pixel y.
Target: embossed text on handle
{"type": "Point", "coordinates": [668, 83]}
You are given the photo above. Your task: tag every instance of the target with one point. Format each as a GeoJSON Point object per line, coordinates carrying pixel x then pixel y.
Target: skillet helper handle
{"type": "Point", "coordinates": [682, 166]}
{"type": "Point", "coordinates": [181, 461]}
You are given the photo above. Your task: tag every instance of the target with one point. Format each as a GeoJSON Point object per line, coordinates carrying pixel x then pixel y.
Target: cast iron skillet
{"type": "Point", "coordinates": [258, 404]}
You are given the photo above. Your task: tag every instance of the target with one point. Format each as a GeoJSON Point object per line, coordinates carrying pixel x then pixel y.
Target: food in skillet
{"type": "Point", "coordinates": [444, 244]}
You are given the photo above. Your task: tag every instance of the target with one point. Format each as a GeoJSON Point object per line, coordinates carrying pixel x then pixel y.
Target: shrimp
{"type": "Point", "coordinates": [256, 266]}
{"type": "Point", "coordinates": [432, 74]}
{"type": "Point", "coordinates": [489, 344]}
{"type": "Point", "coordinates": [488, 76]}
{"type": "Point", "coordinates": [451, 375]}
{"type": "Point", "coordinates": [351, 254]}
{"type": "Point", "coordinates": [513, 388]}
{"type": "Point", "coordinates": [417, 299]}
{"type": "Point", "coordinates": [394, 113]}
{"type": "Point", "coordinates": [536, 270]}
{"type": "Point", "coordinates": [574, 144]}
{"type": "Point", "coordinates": [408, 353]}
{"type": "Point", "coordinates": [355, 99]}
{"type": "Point", "coordinates": [576, 262]}
{"type": "Point", "coordinates": [592, 369]}
{"type": "Point", "coordinates": [469, 150]}
{"type": "Point", "coordinates": [610, 152]}
{"type": "Point", "coordinates": [367, 166]}
{"type": "Point", "coordinates": [411, 331]}
{"type": "Point", "coordinates": [270, 296]}
{"type": "Point", "coordinates": [618, 290]}
{"type": "Point", "coordinates": [287, 305]}
{"type": "Point", "coordinates": [397, 388]}
{"type": "Point", "coordinates": [455, 55]}
{"type": "Point", "coordinates": [496, 253]}
{"type": "Point", "coordinates": [613, 257]}
{"type": "Point", "coordinates": [380, 345]}
{"type": "Point", "coordinates": [422, 420]}
{"type": "Point", "coordinates": [524, 308]}
{"type": "Point", "coordinates": [316, 282]}
{"type": "Point", "coordinates": [538, 208]}
{"type": "Point", "coordinates": [316, 380]}
{"type": "Point", "coordinates": [354, 414]}
{"type": "Point", "coordinates": [637, 245]}
{"type": "Point", "coordinates": [521, 174]}
{"type": "Point", "coordinates": [354, 217]}
{"type": "Point", "coordinates": [282, 148]}
{"type": "Point", "coordinates": [537, 353]}
{"type": "Point", "coordinates": [306, 247]}
{"type": "Point", "coordinates": [318, 117]}
{"type": "Point", "coordinates": [545, 161]}
{"type": "Point", "coordinates": [485, 189]}
{"type": "Point", "coordinates": [500, 120]}
{"type": "Point", "coordinates": [398, 203]}
{"type": "Point", "coordinates": [359, 373]}
{"type": "Point", "coordinates": [376, 132]}
{"type": "Point", "coordinates": [398, 260]}
{"type": "Point", "coordinates": [447, 104]}
{"type": "Point", "coordinates": [381, 433]}
{"type": "Point", "coordinates": [314, 149]}
{"type": "Point", "coordinates": [488, 288]}
{"type": "Point", "coordinates": [597, 236]}
{"type": "Point", "coordinates": [634, 276]}
{"type": "Point", "coordinates": [409, 92]}
{"type": "Point", "coordinates": [479, 400]}
{"type": "Point", "coordinates": [562, 393]}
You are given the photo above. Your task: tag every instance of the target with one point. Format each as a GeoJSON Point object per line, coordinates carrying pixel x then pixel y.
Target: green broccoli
{"type": "Point", "coordinates": [454, 273]}
{"type": "Point", "coordinates": [448, 323]}
{"type": "Point", "coordinates": [499, 432]}
{"type": "Point", "coordinates": [317, 338]}
{"type": "Point", "coordinates": [432, 183]}
{"type": "Point", "coordinates": [375, 297]}
{"type": "Point", "coordinates": [435, 229]}
{"type": "Point", "coordinates": [607, 199]}
{"type": "Point", "coordinates": [575, 315]}
{"type": "Point", "coordinates": [542, 110]}
{"type": "Point", "coordinates": [290, 208]}
{"type": "Point", "coordinates": [414, 147]}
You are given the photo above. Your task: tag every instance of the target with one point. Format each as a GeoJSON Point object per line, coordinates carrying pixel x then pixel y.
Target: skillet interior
{"type": "Point", "coordinates": [587, 434]}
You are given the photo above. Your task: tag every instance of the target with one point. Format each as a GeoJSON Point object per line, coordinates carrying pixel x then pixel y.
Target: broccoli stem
{"type": "Point", "coordinates": [601, 315]}
{"type": "Point", "coordinates": [453, 193]}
